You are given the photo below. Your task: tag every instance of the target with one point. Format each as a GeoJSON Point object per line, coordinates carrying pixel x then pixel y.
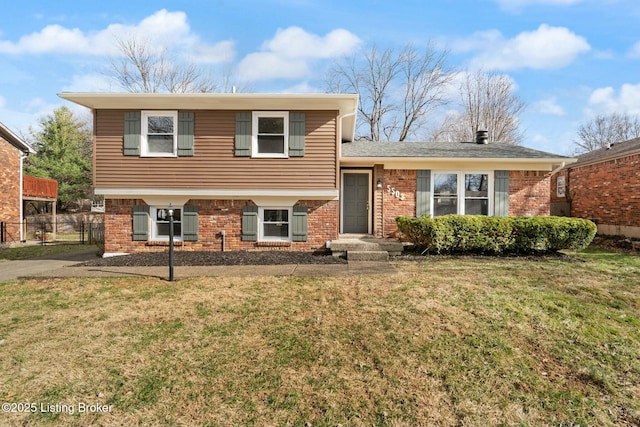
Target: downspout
{"type": "Point", "coordinates": [21, 209]}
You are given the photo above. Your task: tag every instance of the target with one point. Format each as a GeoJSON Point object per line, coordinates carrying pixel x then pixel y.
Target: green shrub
{"type": "Point", "coordinates": [496, 235]}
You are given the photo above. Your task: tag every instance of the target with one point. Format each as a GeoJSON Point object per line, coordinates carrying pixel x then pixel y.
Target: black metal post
{"type": "Point", "coordinates": [170, 243]}
{"type": "Point", "coordinates": [43, 231]}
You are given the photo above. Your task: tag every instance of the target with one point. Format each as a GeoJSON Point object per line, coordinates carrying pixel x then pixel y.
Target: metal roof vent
{"type": "Point", "coordinates": [482, 137]}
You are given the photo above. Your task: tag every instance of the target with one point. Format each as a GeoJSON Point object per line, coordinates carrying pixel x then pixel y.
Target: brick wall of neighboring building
{"type": "Point", "coordinates": [560, 205]}
{"type": "Point", "coordinates": [529, 193]}
{"type": "Point", "coordinates": [608, 191]}
{"type": "Point", "coordinates": [213, 217]}
{"type": "Point", "coordinates": [10, 194]}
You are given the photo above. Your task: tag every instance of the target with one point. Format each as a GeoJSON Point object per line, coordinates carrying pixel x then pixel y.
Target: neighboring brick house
{"type": "Point", "coordinates": [604, 186]}
{"type": "Point", "coordinates": [281, 171]}
{"type": "Point", "coordinates": [13, 150]}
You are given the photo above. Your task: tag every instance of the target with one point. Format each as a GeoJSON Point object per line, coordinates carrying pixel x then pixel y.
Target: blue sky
{"type": "Point", "coordinates": [569, 59]}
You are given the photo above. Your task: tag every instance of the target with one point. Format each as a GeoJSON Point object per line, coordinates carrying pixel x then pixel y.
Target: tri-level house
{"type": "Point", "coordinates": [282, 171]}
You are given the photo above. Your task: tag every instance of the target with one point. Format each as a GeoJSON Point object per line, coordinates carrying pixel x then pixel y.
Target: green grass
{"type": "Point", "coordinates": [448, 341]}
{"type": "Point", "coordinates": [37, 251]}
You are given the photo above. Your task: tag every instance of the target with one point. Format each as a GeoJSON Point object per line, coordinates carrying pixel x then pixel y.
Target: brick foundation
{"type": "Point", "coordinates": [213, 217]}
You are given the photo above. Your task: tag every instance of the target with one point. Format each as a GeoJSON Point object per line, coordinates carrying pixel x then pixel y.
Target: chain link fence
{"type": "Point", "coordinates": [67, 229]}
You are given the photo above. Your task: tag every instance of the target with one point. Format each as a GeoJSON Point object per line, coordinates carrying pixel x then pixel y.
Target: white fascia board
{"type": "Point", "coordinates": [448, 162]}
{"type": "Point", "coordinates": [226, 194]}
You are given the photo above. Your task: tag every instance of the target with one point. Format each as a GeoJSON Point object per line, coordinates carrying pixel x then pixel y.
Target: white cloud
{"type": "Point", "coordinates": [634, 52]}
{"type": "Point", "coordinates": [606, 100]}
{"type": "Point", "coordinates": [94, 82]}
{"type": "Point", "coordinates": [162, 29]}
{"type": "Point", "coordinates": [294, 42]}
{"type": "Point", "coordinates": [268, 65]}
{"type": "Point", "coordinates": [545, 48]}
{"type": "Point", "coordinates": [291, 52]}
{"type": "Point", "coordinates": [548, 106]}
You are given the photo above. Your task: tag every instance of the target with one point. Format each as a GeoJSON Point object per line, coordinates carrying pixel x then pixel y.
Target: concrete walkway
{"type": "Point", "coordinates": [60, 266]}
{"type": "Point", "coordinates": [11, 270]}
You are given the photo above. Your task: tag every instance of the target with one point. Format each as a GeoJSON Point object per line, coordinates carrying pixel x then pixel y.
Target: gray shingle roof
{"type": "Point", "coordinates": [443, 150]}
{"type": "Point", "coordinates": [616, 150]}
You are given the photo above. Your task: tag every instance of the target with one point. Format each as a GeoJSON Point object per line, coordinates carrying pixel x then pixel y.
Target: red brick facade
{"type": "Point", "coordinates": [607, 191]}
{"type": "Point", "coordinates": [529, 193]}
{"type": "Point", "coordinates": [398, 196]}
{"type": "Point", "coordinates": [528, 196]}
{"type": "Point", "coordinates": [213, 217]}
{"type": "Point", "coordinates": [10, 194]}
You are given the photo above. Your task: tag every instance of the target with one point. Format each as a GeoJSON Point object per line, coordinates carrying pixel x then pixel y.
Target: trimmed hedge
{"type": "Point", "coordinates": [496, 235]}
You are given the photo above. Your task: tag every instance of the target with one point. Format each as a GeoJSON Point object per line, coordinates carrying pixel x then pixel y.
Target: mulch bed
{"type": "Point", "coordinates": [186, 258]}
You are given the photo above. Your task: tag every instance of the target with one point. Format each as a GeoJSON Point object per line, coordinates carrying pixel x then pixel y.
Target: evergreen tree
{"type": "Point", "coordinates": [63, 147]}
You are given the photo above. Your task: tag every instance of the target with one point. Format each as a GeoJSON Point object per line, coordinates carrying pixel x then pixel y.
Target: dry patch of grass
{"type": "Point", "coordinates": [444, 342]}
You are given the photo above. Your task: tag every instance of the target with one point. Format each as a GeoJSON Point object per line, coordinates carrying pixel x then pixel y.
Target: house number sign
{"type": "Point", "coordinates": [395, 193]}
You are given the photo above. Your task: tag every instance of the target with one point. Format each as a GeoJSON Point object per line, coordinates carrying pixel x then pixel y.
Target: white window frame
{"type": "Point", "coordinates": [153, 213]}
{"type": "Point", "coordinates": [256, 116]}
{"type": "Point", "coordinates": [261, 223]}
{"type": "Point", "coordinates": [561, 186]}
{"type": "Point", "coordinates": [144, 146]}
{"type": "Point", "coordinates": [460, 182]}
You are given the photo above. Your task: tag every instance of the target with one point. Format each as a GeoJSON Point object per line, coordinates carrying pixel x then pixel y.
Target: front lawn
{"type": "Point", "coordinates": [447, 341]}
{"type": "Point", "coordinates": [37, 251]}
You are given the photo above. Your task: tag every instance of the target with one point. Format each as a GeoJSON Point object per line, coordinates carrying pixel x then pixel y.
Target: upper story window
{"type": "Point", "coordinates": [159, 133]}
{"type": "Point", "coordinates": [462, 193]}
{"type": "Point", "coordinates": [270, 134]}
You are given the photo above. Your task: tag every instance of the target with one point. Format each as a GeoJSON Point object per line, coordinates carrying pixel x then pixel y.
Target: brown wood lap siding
{"type": "Point", "coordinates": [214, 165]}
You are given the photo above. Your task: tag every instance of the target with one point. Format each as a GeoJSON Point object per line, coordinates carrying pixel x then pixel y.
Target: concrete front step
{"type": "Point", "coordinates": [345, 245]}
{"type": "Point", "coordinates": [368, 255]}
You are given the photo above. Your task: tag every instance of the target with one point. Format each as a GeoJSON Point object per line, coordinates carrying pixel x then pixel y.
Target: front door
{"type": "Point", "coordinates": [355, 202]}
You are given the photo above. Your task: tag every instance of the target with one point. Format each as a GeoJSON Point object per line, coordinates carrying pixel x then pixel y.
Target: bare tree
{"type": "Point", "coordinates": [606, 129]}
{"type": "Point", "coordinates": [141, 68]}
{"type": "Point", "coordinates": [487, 102]}
{"type": "Point", "coordinates": [397, 89]}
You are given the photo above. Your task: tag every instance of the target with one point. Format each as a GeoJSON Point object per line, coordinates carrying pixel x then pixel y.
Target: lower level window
{"type": "Point", "coordinates": [461, 193]}
{"type": "Point", "coordinates": [445, 194]}
{"type": "Point", "coordinates": [161, 226]}
{"type": "Point", "coordinates": [476, 194]}
{"type": "Point", "coordinates": [275, 224]}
